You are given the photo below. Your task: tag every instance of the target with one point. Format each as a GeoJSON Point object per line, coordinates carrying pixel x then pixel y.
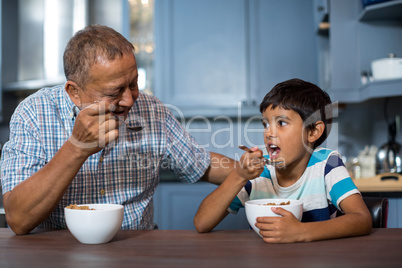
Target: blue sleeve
{"type": "Point", "coordinates": [235, 205]}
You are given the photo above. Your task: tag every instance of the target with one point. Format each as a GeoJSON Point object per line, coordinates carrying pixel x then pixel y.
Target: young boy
{"type": "Point", "coordinates": [296, 117]}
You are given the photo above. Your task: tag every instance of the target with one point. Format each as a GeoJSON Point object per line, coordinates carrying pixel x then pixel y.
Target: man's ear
{"type": "Point", "coordinates": [72, 90]}
{"type": "Point", "coordinates": [316, 133]}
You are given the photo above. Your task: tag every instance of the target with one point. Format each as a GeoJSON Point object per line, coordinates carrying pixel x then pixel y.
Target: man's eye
{"type": "Point", "coordinates": [114, 95]}
{"type": "Point", "coordinates": [133, 87]}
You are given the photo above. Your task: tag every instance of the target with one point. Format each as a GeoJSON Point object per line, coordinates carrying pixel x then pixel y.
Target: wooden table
{"type": "Point", "coordinates": [186, 248]}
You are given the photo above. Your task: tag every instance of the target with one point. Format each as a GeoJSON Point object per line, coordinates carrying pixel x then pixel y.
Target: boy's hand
{"type": "Point", "coordinates": [251, 164]}
{"type": "Point", "coordinates": [286, 229]}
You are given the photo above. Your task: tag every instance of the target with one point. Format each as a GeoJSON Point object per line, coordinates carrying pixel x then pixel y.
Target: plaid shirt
{"type": "Point", "coordinates": [124, 172]}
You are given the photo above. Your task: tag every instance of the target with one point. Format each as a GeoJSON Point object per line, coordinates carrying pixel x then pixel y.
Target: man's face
{"type": "Point", "coordinates": [113, 82]}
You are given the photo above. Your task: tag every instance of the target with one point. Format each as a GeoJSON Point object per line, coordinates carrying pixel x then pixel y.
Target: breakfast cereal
{"type": "Point", "coordinates": [274, 204]}
{"type": "Point", "coordinates": [79, 207]}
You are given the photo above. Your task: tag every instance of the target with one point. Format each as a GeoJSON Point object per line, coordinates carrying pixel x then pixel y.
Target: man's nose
{"type": "Point", "coordinates": [128, 98]}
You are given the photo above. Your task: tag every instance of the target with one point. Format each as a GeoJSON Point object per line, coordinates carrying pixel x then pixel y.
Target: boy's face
{"type": "Point", "coordinates": [285, 138]}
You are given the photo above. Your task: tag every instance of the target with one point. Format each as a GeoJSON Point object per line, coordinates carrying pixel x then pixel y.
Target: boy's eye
{"type": "Point", "coordinates": [265, 123]}
{"type": "Point", "coordinates": [282, 123]}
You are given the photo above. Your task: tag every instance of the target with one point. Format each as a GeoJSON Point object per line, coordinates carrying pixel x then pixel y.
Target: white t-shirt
{"type": "Point", "coordinates": [323, 185]}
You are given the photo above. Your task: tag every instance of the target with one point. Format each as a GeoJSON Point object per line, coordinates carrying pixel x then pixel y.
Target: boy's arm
{"type": "Point", "coordinates": [356, 221]}
{"type": "Point", "coordinates": [213, 208]}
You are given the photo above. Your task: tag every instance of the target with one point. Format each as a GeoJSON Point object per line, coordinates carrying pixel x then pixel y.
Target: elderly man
{"type": "Point", "coordinates": [68, 143]}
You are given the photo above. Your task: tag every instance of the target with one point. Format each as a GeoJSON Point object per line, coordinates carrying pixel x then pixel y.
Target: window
{"type": "Point", "coordinates": [142, 37]}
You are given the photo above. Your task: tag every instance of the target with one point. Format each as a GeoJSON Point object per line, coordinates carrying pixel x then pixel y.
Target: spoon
{"type": "Point", "coordinates": [266, 161]}
{"type": "Point", "coordinates": [136, 128]}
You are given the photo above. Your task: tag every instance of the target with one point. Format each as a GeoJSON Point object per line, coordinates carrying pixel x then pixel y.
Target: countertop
{"type": "Point", "coordinates": [382, 183]}
{"type": "Point", "coordinates": [187, 248]}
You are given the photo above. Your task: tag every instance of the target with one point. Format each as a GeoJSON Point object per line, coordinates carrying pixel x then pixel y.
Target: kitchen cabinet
{"type": "Point", "coordinates": [201, 53]}
{"type": "Point", "coordinates": [395, 212]}
{"type": "Point", "coordinates": [283, 44]}
{"type": "Point", "coordinates": [356, 37]}
{"type": "Point", "coordinates": [176, 203]}
{"type": "Point", "coordinates": [3, 223]}
{"type": "Point", "coordinates": [214, 56]}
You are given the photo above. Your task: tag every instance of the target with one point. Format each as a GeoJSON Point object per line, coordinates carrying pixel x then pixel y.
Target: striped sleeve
{"type": "Point", "coordinates": [339, 184]}
{"type": "Point", "coordinates": [235, 206]}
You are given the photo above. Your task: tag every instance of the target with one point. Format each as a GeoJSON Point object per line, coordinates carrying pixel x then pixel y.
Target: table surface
{"type": "Point", "coordinates": [187, 248]}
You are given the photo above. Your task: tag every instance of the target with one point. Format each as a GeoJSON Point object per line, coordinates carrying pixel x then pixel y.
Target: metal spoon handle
{"type": "Point", "coordinates": [245, 148]}
{"type": "Point", "coordinates": [137, 128]}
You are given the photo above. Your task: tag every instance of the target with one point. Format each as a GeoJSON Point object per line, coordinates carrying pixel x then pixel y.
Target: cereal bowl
{"type": "Point", "coordinates": [263, 208]}
{"type": "Point", "coordinates": [97, 224]}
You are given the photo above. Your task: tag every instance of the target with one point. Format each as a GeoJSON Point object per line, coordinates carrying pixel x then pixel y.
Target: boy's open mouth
{"type": "Point", "coordinates": [273, 151]}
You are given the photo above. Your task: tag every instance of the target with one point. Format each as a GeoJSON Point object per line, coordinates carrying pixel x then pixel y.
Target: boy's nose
{"type": "Point", "coordinates": [270, 132]}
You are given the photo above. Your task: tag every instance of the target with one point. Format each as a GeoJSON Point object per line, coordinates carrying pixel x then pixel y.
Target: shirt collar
{"type": "Point", "coordinates": [71, 110]}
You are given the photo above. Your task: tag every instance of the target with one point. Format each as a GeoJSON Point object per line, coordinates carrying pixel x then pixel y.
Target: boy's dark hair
{"type": "Point", "coordinates": [308, 100]}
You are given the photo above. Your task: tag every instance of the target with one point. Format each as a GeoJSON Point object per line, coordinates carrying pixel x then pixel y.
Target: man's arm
{"type": "Point", "coordinates": [219, 169]}
{"type": "Point", "coordinates": [31, 202]}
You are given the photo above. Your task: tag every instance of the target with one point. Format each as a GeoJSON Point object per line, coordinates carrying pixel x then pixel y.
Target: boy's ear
{"type": "Point", "coordinates": [316, 133]}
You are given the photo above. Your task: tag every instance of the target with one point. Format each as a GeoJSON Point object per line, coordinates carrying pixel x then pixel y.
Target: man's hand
{"type": "Point", "coordinates": [95, 127]}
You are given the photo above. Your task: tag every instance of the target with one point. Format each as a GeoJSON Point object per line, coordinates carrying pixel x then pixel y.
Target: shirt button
{"type": "Point", "coordinates": [101, 159]}
{"type": "Point", "coordinates": [102, 192]}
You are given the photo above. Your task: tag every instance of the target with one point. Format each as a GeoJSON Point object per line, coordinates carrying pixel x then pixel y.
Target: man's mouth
{"type": "Point", "coordinates": [122, 114]}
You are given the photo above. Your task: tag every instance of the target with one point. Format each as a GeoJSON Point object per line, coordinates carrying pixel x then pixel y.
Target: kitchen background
{"type": "Point", "coordinates": [212, 61]}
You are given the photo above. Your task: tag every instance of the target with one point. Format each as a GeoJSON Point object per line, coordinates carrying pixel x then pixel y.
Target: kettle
{"type": "Point", "coordinates": [388, 158]}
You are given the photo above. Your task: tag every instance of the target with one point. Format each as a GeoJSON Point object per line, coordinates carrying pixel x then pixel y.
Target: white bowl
{"type": "Point", "coordinates": [258, 208]}
{"type": "Point", "coordinates": [95, 226]}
